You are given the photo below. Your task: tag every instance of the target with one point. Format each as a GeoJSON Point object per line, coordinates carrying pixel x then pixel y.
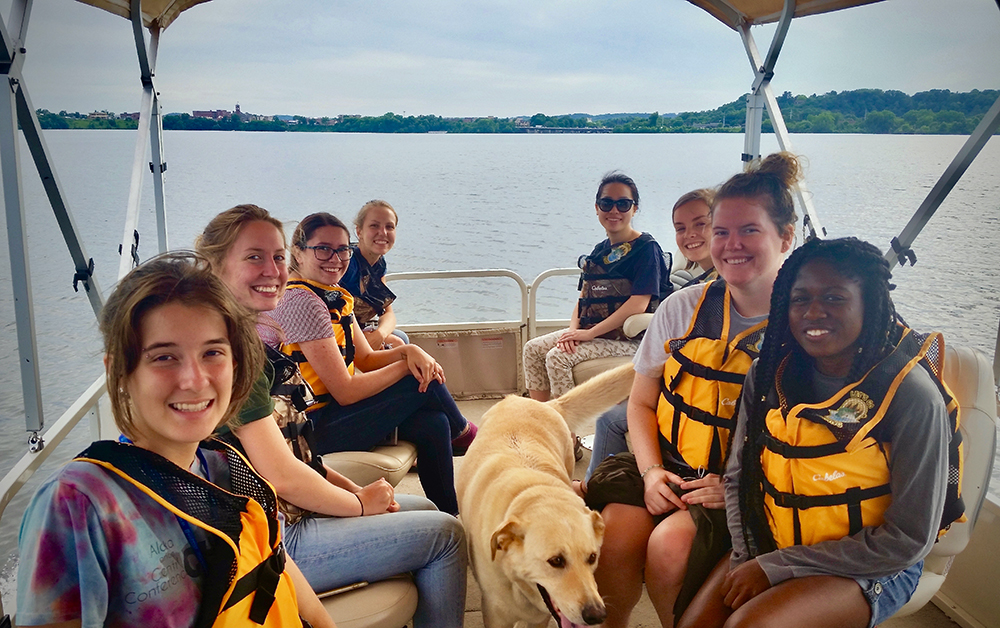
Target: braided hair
{"type": "Point", "coordinates": [854, 259]}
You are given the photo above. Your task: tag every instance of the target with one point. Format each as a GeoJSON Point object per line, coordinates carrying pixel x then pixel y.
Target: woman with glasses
{"type": "Point", "coordinates": [362, 395]}
{"type": "Point", "coordinates": [624, 275]}
{"type": "Point", "coordinates": [337, 532]}
{"type": "Point", "coordinates": [375, 226]}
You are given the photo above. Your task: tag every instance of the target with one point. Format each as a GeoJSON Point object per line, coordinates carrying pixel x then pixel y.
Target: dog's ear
{"type": "Point", "coordinates": [598, 521]}
{"type": "Point", "coordinates": [506, 535]}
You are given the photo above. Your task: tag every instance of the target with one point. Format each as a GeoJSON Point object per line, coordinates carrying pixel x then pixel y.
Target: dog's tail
{"type": "Point", "coordinates": [593, 397]}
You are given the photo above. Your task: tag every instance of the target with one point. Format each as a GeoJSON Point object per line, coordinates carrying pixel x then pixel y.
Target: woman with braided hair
{"type": "Point", "coordinates": [837, 483]}
{"type": "Point", "coordinates": [665, 525]}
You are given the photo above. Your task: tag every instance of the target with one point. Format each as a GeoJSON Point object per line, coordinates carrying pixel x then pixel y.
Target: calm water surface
{"type": "Point", "coordinates": [519, 202]}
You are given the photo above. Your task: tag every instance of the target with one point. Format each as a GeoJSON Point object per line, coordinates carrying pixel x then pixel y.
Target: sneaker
{"type": "Point", "coordinates": [577, 448]}
{"type": "Point", "coordinates": [461, 444]}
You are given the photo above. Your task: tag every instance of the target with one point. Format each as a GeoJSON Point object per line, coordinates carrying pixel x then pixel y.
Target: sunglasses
{"type": "Point", "coordinates": [606, 204]}
{"type": "Point", "coordinates": [324, 253]}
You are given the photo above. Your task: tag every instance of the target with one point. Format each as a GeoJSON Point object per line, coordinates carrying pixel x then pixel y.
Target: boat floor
{"type": "Point", "coordinates": [643, 616]}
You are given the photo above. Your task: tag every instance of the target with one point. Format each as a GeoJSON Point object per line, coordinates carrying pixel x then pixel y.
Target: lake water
{"type": "Point", "coordinates": [522, 202]}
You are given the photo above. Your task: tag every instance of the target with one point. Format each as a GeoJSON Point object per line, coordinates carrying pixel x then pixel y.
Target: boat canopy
{"type": "Point", "coordinates": [156, 14]}
{"type": "Point", "coordinates": [732, 13]}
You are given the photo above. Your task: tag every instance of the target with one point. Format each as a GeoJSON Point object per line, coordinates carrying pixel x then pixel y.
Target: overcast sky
{"type": "Point", "coordinates": [454, 58]}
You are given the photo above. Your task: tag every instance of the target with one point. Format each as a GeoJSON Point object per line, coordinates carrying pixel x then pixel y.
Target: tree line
{"type": "Point", "coordinates": [855, 111]}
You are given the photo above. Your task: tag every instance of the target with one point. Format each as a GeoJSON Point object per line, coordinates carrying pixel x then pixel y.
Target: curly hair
{"type": "Point", "coordinates": [856, 260]}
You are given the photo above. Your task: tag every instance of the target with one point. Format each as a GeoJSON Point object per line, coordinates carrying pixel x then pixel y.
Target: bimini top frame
{"type": "Point", "coordinates": [17, 110]}
{"type": "Point", "coordinates": [740, 15]}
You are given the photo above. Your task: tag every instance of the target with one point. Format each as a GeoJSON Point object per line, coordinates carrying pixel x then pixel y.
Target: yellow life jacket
{"type": "Point", "coordinates": [826, 475]}
{"type": "Point", "coordinates": [341, 305]}
{"type": "Point", "coordinates": [702, 381]}
{"type": "Point", "coordinates": [246, 583]}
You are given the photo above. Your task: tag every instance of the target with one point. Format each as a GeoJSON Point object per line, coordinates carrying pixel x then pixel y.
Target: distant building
{"type": "Point", "coordinates": [128, 116]}
{"type": "Point", "coordinates": [217, 114]}
{"type": "Point", "coordinates": [101, 115]}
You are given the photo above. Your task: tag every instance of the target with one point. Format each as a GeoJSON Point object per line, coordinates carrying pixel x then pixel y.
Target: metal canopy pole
{"type": "Point", "coordinates": [899, 249]}
{"type": "Point", "coordinates": [762, 96]}
{"type": "Point", "coordinates": [158, 166]}
{"type": "Point", "coordinates": [11, 56]}
{"type": "Point", "coordinates": [130, 238]}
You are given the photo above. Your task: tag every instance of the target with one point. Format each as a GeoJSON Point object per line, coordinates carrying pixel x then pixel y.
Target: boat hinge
{"type": "Point", "coordinates": [163, 167]}
{"type": "Point", "coordinates": [84, 276]}
{"type": "Point", "coordinates": [35, 442]}
{"type": "Point", "coordinates": [135, 248]}
{"type": "Point", "coordinates": [903, 253]}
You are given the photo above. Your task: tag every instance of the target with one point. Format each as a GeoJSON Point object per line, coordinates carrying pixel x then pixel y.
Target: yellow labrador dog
{"type": "Point", "coordinates": [534, 545]}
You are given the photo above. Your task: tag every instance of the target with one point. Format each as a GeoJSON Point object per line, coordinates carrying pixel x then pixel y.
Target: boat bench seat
{"type": "Point", "coordinates": [391, 462]}
{"type": "Point", "coordinates": [634, 325]}
{"type": "Point", "coordinates": [388, 603]}
{"type": "Point", "coordinates": [969, 375]}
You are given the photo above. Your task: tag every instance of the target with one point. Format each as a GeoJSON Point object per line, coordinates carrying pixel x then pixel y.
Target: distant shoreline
{"type": "Point", "coordinates": [867, 111]}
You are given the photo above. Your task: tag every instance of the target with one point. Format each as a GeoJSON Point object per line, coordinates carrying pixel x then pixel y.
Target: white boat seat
{"type": "Point", "coordinates": [680, 277]}
{"type": "Point", "coordinates": [385, 604]}
{"type": "Point", "coordinates": [391, 462]}
{"type": "Point", "coordinates": [969, 375]}
{"type": "Point", "coordinates": [633, 326]}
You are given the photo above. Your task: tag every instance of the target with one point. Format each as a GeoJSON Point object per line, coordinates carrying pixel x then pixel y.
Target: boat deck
{"type": "Point", "coordinates": [643, 616]}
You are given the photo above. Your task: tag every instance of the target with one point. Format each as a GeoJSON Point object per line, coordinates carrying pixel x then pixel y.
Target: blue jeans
{"type": "Point", "coordinates": [609, 436]}
{"type": "Point", "coordinates": [429, 420]}
{"type": "Point", "coordinates": [334, 552]}
{"type": "Point", "coordinates": [401, 335]}
{"type": "Point", "coordinates": [888, 594]}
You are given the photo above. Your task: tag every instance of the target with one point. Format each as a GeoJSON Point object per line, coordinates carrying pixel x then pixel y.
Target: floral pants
{"type": "Point", "coordinates": [547, 367]}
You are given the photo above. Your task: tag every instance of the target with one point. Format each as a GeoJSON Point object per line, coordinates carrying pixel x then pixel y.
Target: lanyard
{"type": "Point", "coordinates": [185, 525]}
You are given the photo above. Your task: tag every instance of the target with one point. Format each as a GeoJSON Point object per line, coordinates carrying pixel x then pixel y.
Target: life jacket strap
{"type": "Point", "coordinates": [799, 451]}
{"type": "Point", "coordinates": [262, 582]}
{"type": "Point", "coordinates": [695, 414]}
{"type": "Point", "coordinates": [854, 495]}
{"type": "Point", "coordinates": [704, 372]}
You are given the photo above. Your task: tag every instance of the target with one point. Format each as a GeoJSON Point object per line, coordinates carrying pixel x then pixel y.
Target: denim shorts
{"type": "Point", "coordinates": [888, 594]}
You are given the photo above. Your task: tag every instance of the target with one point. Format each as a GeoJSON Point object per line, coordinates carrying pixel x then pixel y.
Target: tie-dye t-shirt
{"type": "Point", "coordinates": [96, 548]}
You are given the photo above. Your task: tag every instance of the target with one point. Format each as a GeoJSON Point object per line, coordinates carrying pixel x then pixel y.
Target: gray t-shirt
{"type": "Point", "coordinates": [672, 320]}
{"type": "Point", "coordinates": [917, 423]}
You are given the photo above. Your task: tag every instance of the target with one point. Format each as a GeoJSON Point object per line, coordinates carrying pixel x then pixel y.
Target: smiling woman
{"type": "Point", "coordinates": [181, 358]}
{"type": "Point", "coordinates": [830, 525]}
{"type": "Point", "coordinates": [362, 394]}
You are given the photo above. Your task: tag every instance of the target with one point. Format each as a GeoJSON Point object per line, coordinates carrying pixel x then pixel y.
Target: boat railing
{"type": "Point", "coordinates": [483, 358]}
{"type": "Point", "coordinates": [93, 404]}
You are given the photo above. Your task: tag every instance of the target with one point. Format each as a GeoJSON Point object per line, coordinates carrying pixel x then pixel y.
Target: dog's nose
{"type": "Point", "coordinates": [594, 614]}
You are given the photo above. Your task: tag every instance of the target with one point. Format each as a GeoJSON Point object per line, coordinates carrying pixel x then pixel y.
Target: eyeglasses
{"type": "Point", "coordinates": [606, 204]}
{"type": "Point", "coordinates": [324, 253]}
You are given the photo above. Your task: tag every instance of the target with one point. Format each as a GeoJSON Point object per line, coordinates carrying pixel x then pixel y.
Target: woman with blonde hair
{"type": "Point", "coordinates": [375, 226]}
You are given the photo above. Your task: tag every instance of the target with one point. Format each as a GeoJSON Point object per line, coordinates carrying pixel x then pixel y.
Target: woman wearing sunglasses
{"type": "Point", "coordinates": [362, 395]}
{"type": "Point", "coordinates": [624, 275]}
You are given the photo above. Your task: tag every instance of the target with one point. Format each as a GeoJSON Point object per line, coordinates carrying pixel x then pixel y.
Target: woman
{"type": "Point", "coordinates": [692, 229]}
{"type": "Point", "coordinates": [246, 247]}
{"type": "Point", "coordinates": [839, 378]}
{"type": "Point", "coordinates": [692, 216]}
{"type": "Point", "coordinates": [399, 388]}
{"type": "Point", "coordinates": [624, 275]}
{"type": "Point", "coordinates": [696, 350]}
{"type": "Point", "coordinates": [137, 532]}
{"type": "Point", "coordinates": [375, 226]}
